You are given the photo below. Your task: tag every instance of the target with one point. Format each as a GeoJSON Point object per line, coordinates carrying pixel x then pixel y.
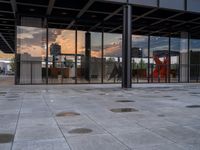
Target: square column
{"type": "Point", "coordinates": [87, 55]}
{"type": "Point", "coordinates": [126, 47]}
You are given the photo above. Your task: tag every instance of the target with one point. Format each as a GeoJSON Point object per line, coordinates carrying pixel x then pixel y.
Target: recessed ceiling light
{"type": "Point", "coordinates": [32, 9]}
{"type": "Point", "coordinates": [64, 13]}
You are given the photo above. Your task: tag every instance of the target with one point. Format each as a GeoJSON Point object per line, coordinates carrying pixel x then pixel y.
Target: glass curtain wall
{"type": "Point", "coordinates": [61, 58]}
{"type": "Point", "coordinates": [82, 57]}
{"type": "Point", "coordinates": [175, 59]}
{"type": "Point", "coordinates": [159, 59]}
{"type": "Point", "coordinates": [72, 60]}
{"type": "Point", "coordinates": [139, 58]}
{"type": "Point", "coordinates": [31, 53]}
{"type": "Point", "coordinates": [96, 58]}
{"type": "Point", "coordinates": [194, 60]}
{"type": "Point", "coordinates": [184, 57]}
{"type": "Point", "coordinates": [112, 59]}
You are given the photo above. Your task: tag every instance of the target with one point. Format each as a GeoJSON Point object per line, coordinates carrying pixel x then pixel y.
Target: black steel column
{"type": "Point", "coordinates": [47, 53]}
{"type": "Point", "coordinates": [102, 55]}
{"type": "Point", "coordinates": [17, 60]}
{"type": "Point", "coordinates": [76, 74]}
{"type": "Point", "coordinates": [188, 65]}
{"type": "Point", "coordinates": [169, 58]}
{"type": "Point", "coordinates": [126, 47]}
{"type": "Point", "coordinates": [87, 55]}
{"type": "Point", "coordinates": [148, 69]}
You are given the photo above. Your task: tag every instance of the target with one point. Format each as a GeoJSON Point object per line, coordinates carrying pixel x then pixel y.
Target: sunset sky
{"type": "Point", "coordinates": [32, 40]}
{"type": "Point", "coordinates": [6, 56]}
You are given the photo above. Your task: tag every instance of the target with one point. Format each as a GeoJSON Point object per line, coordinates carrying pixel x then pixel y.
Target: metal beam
{"type": "Point", "coordinates": [30, 4]}
{"type": "Point", "coordinates": [8, 34]}
{"type": "Point", "coordinates": [2, 37]}
{"type": "Point", "coordinates": [7, 30]}
{"type": "Point", "coordinates": [119, 27]}
{"type": "Point", "coordinates": [90, 11]}
{"type": "Point", "coordinates": [160, 21]}
{"type": "Point", "coordinates": [139, 17]}
{"type": "Point", "coordinates": [5, 11]}
{"type": "Point", "coordinates": [145, 14]}
{"type": "Point", "coordinates": [65, 24]}
{"type": "Point", "coordinates": [14, 6]}
{"type": "Point", "coordinates": [7, 25]}
{"type": "Point", "coordinates": [182, 23]}
{"type": "Point", "coordinates": [106, 18]}
{"type": "Point", "coordinates": [85, 8]}
{"type": "Point", "coordinates": [50, 7]}
{"type": "Point", "coordinates": [3, 1]}
{"type": "Point", "coordinates": [190, 21]}
{"type": "Point", "coordinates": [7, 19]}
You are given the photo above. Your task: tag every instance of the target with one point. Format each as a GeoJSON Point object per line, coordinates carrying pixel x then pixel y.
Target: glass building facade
{"type": "Point", "coordinates": [96, 57]}
{"type": "Point", "coordinates": [99, 52]}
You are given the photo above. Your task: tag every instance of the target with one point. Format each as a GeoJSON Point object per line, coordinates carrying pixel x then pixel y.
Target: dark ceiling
{"type": "Point", "coordinates": [93, 15]}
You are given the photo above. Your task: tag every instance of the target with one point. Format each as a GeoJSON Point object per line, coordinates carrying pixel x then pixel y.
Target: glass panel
{"type": "Point", "coordinates": [172, 4]}
{"type": "Point", "coordinates": [175, 60]}
{"type": "Point", "coordinates": [61, 65]}
{"type": "Point", "coordinates": [31, 53]}
{"type": "Point", "coordinates": [159, 59]}
{"type": "Point", "coordinates": [184, 57]}
{"type": "Point", "coordinates": [82, 66]}
{"type": "Point", "coordinates": [96, 54]}
{"type": "Point", "coordinates": [112, 58]}
{"type": "Point", "coordinates": [139, 58]}
{"type": "Point", "coordinates": [195, 60]}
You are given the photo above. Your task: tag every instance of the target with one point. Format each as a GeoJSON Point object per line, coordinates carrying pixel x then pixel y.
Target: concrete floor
{"type": "Point", "coordinates": [6, 80]}
{"type": "Point", "coordinates": [162, 120]}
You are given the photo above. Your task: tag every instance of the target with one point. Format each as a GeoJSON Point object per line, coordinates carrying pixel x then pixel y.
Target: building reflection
{"type": "Point", "coordinates": [94, 57]}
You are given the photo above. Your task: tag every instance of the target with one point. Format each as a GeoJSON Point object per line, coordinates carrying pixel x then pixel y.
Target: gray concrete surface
{"type": "Point", "coordinates": [162, 122]}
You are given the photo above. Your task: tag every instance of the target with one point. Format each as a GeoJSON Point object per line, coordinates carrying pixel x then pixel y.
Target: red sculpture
{"type": "Point", "coordinates": [161, 68]}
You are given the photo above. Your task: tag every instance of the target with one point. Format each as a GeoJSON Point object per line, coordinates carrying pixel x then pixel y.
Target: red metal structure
{"type": "Point", "coordinates": [161, 68]}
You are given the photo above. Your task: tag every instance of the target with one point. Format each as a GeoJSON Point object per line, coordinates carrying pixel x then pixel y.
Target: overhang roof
{"type": "Point", "coordinates": [93, 15]}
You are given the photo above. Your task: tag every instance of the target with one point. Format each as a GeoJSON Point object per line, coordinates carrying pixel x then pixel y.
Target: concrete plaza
{"type": "Point", "coordinates": [79, 117]}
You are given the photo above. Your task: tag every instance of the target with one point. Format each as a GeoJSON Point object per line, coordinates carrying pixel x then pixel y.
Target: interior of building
{"type": "Point", "coordinates": [57, 42]}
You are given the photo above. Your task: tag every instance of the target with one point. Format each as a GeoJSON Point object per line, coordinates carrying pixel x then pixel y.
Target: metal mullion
{"type": "Point", "coordinates": [76, 56]}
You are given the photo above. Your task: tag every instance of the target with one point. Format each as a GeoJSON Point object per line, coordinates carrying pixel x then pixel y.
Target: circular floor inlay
{"type": "Point", "coordinates": [194, 93]}
{"type": "Point", "coordinates": [80, 131]}
{"type": "Point", "coordinates": [32, 92]}
{"type": "Point", "coordinates": [124, 101]}
{"type": "Point", "coordinates": [118, 110]}
{"type": "Point", "coordinates": [11, 99]}
{"type": "Point", "coordinates": [161, 115]}
{"type": "Point", "coordinates": [67, 114]}
{"type": "Point", "coordinates": [12, 96]}
{"type": "Point", "coordinates": [103, 94]}
{"type": "Point", "coordinates": [6, 138]}
{"type": "Point", "coordinates": [167, 96]}
{"type": "Point", "coordinates": [193, 106]}
{"type": "Point", "coordinates": [3, 93]}
{"type": "Point", "coordinates": [174, 99]}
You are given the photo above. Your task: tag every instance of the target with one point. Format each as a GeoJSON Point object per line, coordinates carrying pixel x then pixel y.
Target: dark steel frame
{"type": "Point", "coordinates": [127, 75]}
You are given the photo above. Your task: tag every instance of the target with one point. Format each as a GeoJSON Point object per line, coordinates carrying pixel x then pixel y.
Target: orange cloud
{"type": "Point", "coordinates": [33, 50]}
{"type": "Point", "coordinates": [67, 41]}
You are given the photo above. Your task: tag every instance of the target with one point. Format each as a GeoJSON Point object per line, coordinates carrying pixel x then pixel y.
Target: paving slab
{"type": "Point", "coordinates": [162, 120]}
